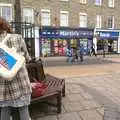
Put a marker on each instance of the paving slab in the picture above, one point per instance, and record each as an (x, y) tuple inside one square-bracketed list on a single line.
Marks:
[(92, 91), (90, 115)]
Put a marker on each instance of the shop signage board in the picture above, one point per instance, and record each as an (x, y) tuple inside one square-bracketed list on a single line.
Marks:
[(66, 33), (108, 35)]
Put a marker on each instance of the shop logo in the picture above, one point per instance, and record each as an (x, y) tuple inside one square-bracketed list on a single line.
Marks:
[(104, 35), (101, 34)]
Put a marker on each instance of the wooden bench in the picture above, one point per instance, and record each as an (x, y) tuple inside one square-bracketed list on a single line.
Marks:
[(55, 86)]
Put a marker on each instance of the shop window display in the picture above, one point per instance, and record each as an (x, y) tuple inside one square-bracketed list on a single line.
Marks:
[(73, 43), (84, 42), (46, 47), (59, 46)]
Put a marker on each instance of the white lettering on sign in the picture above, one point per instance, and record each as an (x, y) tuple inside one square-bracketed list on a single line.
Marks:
[(74, 33), (104, 35)]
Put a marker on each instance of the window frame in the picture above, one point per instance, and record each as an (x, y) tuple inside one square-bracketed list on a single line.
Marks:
[(113, 22), (85, 23), (66, 13), (45, 11), (98, 4), (83, 1), (64, 0), (6, 5), (111, 5), (98, 21), (26, 15)]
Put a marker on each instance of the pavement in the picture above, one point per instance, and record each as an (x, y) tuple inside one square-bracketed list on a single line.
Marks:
[(92, 89)]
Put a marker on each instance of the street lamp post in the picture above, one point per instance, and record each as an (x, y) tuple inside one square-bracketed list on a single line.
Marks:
[(17, 16)]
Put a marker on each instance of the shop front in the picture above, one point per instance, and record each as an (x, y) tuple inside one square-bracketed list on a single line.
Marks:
[(107, 40), (54, 41)]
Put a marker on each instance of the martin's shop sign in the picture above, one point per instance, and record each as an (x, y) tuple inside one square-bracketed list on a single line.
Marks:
[(66, 33), (107, 35)]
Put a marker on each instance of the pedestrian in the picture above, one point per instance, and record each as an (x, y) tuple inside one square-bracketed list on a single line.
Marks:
[(109, 48), (69, 54), (17, 92), (93, 51), (76, 54), (81, 52)]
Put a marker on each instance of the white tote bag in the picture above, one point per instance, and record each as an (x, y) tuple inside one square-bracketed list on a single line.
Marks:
[(10, 60)]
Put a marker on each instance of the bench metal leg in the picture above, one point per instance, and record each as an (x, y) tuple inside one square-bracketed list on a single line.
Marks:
[(63, 90), (59, 102)]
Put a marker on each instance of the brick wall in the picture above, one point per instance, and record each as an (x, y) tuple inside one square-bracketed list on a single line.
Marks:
[(74, 7)]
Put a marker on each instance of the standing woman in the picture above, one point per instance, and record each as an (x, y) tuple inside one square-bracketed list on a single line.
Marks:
[(17, 92)]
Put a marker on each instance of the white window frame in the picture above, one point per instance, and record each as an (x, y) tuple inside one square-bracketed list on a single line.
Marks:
[(99, 4), (81, 21), (43, 12), (6, 5), (113, 21), (98, 21), (28, 15), (111, 3), (83, 1), (64, 0), (64, 23)]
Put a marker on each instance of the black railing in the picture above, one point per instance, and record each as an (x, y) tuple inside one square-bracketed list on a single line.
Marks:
[(27, 30)]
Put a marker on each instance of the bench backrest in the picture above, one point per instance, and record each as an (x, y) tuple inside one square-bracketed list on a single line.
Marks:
[(35, 70)]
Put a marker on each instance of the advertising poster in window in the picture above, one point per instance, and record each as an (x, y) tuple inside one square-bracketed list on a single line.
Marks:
[(45, 47), (84, 43)]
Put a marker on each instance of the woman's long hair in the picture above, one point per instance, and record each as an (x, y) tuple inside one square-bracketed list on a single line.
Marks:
[(4, 26)]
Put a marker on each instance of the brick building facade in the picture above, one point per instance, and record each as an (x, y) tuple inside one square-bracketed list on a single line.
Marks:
[(85, 15), (74, 8)]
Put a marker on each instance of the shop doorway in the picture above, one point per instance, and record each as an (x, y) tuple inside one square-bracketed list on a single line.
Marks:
[(84, 43), (109, 46)]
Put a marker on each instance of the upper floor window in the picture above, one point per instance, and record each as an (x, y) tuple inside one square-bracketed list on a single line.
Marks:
[(28, 15), (110, 3), (64, 18), (83, 20), (98, 2), (45, 17), (6, 11), (98, 21), (64, 0), (83, 1), (111, 22)]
